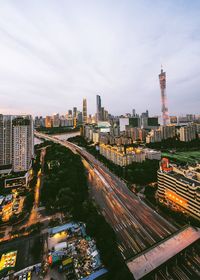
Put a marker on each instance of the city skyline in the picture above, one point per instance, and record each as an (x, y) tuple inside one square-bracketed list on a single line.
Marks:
[(55, 53)]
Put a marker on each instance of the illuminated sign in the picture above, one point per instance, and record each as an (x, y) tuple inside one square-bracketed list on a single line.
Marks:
[(8, 260)]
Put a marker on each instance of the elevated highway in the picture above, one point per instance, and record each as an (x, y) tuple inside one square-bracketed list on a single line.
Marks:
[(136, 225)]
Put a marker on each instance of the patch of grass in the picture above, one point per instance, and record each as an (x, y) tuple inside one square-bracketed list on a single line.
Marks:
[(186, 156)]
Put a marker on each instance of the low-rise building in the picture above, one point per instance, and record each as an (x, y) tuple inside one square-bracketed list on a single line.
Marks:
[(179, 188), (152, 154), (121, 156)]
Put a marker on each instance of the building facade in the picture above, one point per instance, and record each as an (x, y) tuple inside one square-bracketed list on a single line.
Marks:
[(5, 140), (187, 133), (16, 142), (48, 122), (99, 111), (179, 188), (22, 138), (121, 156), (56, 120), (84, 110)]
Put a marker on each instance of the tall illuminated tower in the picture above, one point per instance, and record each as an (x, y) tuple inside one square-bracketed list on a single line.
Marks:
[(84, 110), (162, 79)]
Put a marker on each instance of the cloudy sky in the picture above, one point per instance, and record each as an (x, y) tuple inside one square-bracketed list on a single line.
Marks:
[(54, 53)]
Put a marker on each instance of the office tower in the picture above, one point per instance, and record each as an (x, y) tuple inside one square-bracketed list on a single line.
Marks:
[(84, 110), (75, 112), (39, 121), (164, 109), (5, 140), (56, 120), (149, 123), (98, 108), (62, 121), (102, 114), (145, 114), (69, 113), (48, 122), (75, 115), (133, 113), (79, 117), (22, 139)]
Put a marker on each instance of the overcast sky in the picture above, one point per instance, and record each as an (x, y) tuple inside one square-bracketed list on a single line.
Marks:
[(54, 53)]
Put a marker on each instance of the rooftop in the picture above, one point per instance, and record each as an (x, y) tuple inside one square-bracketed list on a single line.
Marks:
[(184, 179), (61, 228), (154, 257)]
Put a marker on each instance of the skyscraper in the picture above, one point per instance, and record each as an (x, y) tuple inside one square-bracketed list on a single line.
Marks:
[(84, 110), (99, 111), (69, 113), (48, 121), (56, 120), (74, 112), (164, 109)]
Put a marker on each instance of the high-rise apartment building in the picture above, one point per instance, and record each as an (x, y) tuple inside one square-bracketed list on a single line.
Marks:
[(5, 140), (187, 133), (84, 110), (22, 139), (154, 136), (168, 131), (16, 142)]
